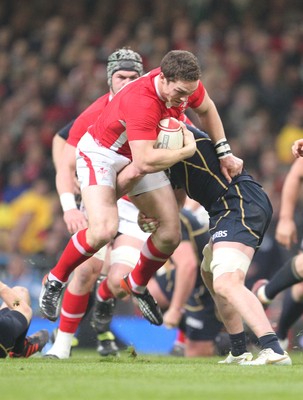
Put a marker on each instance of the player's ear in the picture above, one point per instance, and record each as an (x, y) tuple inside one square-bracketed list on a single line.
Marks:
[(162, 77)]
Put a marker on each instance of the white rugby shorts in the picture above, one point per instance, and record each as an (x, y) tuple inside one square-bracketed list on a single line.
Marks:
[(98, 165), (128, 216)]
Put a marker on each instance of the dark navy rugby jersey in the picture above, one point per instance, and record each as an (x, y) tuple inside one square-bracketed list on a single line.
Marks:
[(200, 175)]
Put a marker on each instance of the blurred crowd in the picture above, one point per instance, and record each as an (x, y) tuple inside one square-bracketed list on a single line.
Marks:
[(53, 65)]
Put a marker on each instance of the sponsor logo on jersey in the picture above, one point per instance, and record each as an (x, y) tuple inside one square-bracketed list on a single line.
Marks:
[(194, 323), (219, 234)]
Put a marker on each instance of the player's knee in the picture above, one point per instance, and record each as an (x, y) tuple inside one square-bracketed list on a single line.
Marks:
[(232, 262), (98, 233), (173, 242), (222, 287), (170, 237)]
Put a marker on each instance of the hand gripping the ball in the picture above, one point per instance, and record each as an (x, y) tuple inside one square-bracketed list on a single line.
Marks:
[(170, 135)]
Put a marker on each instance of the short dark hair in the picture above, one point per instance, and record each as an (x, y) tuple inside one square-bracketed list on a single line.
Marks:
[(180, 65)]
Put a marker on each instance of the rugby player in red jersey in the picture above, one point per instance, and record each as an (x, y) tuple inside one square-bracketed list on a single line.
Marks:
[(115, 156), (123, 66)]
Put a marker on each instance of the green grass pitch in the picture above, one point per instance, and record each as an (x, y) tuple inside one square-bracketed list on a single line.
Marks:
[(87, 376)]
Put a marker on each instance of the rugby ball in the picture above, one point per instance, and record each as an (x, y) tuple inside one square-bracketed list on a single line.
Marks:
[(170, 134)]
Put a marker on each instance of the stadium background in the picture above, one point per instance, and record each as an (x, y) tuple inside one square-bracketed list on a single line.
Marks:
[(53, 64)]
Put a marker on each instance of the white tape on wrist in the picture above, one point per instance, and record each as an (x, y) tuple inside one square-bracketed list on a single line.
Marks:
[(67, 201), (222, 148)]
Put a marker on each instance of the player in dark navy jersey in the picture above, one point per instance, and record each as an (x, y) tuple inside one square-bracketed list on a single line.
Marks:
[(200, 175), (239, 214), (15, 318)]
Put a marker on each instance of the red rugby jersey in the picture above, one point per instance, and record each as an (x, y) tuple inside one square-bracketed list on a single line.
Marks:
[(139, 108)]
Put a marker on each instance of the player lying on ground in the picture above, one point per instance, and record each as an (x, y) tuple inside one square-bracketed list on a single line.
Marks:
[(15, 318)]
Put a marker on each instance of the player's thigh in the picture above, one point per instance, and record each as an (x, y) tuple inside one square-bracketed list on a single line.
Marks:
[(160, 204), (101, 208)]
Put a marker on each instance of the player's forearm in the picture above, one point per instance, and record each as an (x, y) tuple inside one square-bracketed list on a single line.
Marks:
[(65, 185), (161, 159), (211, 121), (185, 261), (65, 181), (126, 179), (184, 285), (8, 295), (289, 197), (157, 160), (65, 177)]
